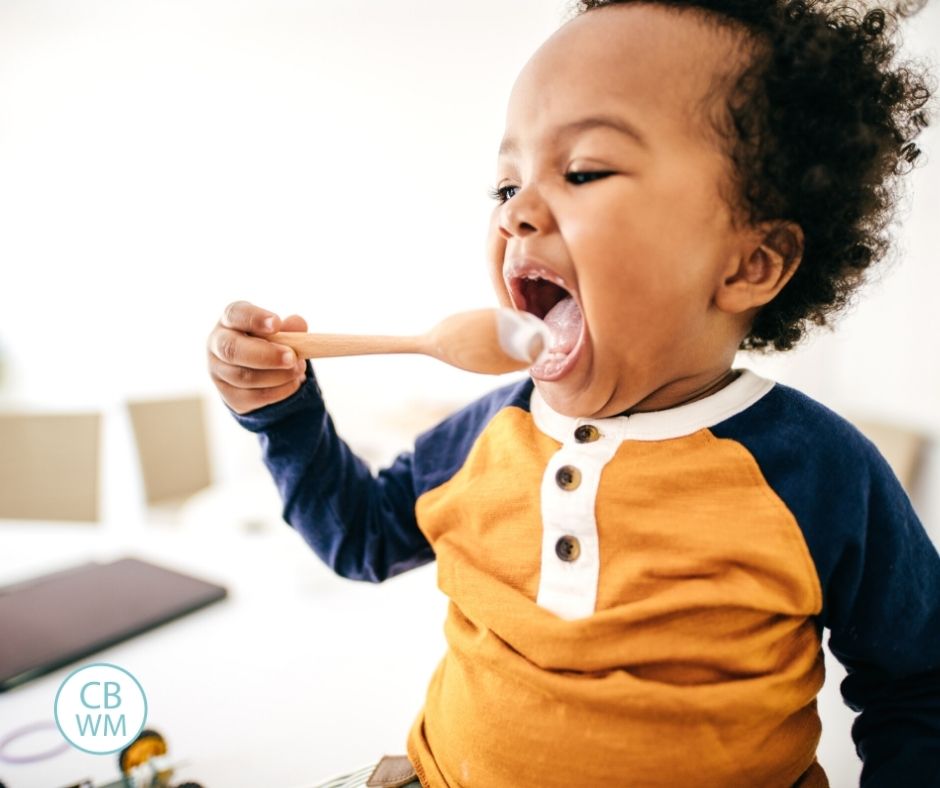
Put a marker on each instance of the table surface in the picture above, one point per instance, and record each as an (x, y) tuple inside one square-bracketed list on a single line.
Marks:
[(299, 675)]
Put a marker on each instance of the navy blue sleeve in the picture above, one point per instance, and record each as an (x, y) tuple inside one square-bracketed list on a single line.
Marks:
[(884, 618), (361, 525), (879, 573)]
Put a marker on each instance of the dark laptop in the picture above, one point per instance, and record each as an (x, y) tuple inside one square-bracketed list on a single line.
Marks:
[(50, 621)]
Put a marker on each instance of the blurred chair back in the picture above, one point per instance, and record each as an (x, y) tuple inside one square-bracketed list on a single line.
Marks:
[(902, 448), (172, 447), (49, 466)]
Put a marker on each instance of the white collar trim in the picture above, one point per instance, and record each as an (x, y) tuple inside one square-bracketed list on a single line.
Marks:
[(676, 422)]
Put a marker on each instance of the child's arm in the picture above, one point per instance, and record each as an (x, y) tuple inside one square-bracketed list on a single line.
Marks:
[(883, 610), (362, 526)]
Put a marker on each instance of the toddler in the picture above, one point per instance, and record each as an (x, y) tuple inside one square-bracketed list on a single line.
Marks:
[(641, 544)]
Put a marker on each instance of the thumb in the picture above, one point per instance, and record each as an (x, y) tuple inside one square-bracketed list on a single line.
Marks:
[(293, 323)]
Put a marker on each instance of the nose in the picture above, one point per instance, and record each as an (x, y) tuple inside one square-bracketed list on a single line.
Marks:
[(524, 213)]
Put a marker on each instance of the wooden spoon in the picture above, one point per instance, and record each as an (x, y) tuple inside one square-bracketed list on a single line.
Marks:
[(491, 341)]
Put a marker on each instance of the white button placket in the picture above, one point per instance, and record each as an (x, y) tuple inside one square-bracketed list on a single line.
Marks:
[(570, 569), (568, 579)]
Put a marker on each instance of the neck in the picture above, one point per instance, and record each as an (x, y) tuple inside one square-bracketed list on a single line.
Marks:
[(669, 397)]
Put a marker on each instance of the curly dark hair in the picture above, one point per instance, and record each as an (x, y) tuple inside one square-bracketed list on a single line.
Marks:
[(819, 127)]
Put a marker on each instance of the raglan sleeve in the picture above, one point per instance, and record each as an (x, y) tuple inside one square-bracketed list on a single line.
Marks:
[(883, 612), (360, 524)]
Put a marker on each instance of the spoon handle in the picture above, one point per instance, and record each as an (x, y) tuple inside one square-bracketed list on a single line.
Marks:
[(329, 345)]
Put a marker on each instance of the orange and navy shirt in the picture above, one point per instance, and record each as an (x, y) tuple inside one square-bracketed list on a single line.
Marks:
[(639, 600)]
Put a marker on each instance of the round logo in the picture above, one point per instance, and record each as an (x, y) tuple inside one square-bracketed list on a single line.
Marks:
[(100, 708)]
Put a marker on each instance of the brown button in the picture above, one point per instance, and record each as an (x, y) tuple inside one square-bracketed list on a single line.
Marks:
[(568, 477), (586, 433), (568, 548)]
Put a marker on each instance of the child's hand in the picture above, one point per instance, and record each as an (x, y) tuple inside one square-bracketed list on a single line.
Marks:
[(248, 370)]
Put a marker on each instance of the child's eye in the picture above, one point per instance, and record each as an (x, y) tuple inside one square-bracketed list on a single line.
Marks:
[(579, 178), (504, 193), (501, 194)]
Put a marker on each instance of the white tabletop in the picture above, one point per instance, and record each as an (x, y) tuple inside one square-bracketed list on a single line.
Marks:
[(297, 676)]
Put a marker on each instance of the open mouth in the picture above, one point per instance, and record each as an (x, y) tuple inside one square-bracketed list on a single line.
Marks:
[(542, 293)]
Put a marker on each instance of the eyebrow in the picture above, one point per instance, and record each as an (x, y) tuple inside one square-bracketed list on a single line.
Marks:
[(509, 145)]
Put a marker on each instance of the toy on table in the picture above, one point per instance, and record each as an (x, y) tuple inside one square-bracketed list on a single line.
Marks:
[(144, 764)]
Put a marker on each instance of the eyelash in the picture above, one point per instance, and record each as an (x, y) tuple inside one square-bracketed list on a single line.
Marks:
[(499, 195)]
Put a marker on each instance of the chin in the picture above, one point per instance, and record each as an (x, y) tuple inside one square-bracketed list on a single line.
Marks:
[(578, 393), (579, 402)]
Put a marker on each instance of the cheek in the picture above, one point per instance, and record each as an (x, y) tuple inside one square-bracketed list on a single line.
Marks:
[(639, 269), (624, 253), (495, 252), (499, 287)]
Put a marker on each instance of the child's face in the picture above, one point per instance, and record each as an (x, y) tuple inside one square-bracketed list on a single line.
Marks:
[(643, 248)]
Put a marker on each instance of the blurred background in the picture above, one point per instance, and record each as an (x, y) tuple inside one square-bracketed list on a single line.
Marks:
[(161, 159)]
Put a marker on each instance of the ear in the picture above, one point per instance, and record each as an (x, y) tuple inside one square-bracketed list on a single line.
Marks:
[(770, 255)]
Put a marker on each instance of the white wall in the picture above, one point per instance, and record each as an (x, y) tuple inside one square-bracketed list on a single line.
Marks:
[(158, 160)]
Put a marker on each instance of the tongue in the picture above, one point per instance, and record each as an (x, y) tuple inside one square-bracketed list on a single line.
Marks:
[(564, 321)]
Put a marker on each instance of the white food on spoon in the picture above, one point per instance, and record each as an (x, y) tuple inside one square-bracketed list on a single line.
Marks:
[(522, 335)]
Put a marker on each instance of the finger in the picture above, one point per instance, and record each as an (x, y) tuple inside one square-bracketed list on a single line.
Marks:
[(293, 323), (236, 348), (247, 378), (246, 400), (243, 316)]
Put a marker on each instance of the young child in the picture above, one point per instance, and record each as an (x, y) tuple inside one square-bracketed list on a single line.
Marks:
[(642, 545)]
